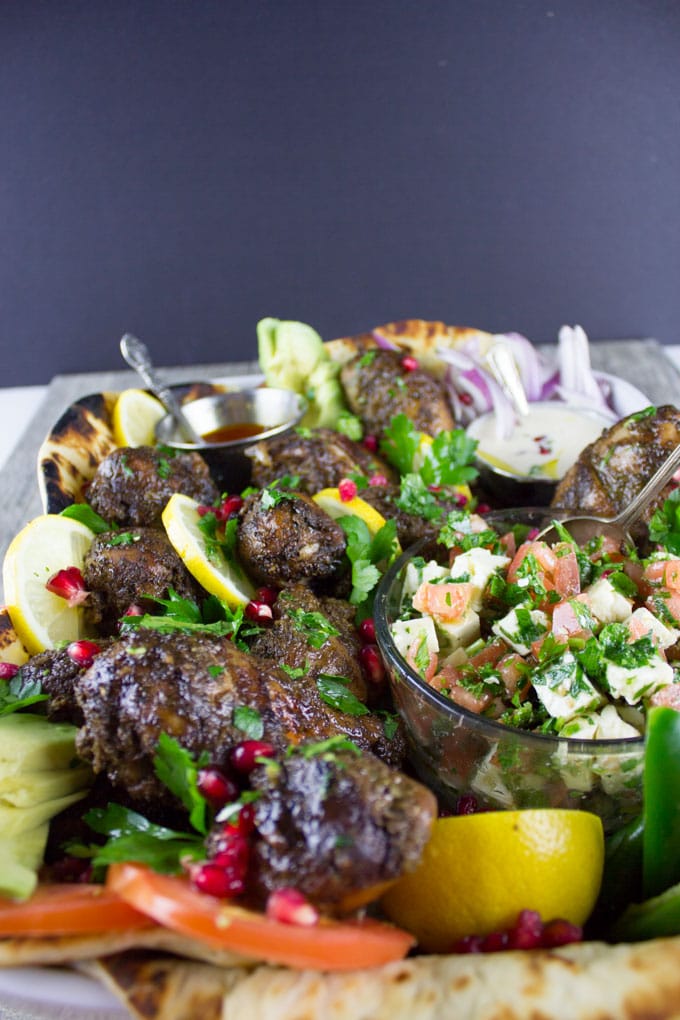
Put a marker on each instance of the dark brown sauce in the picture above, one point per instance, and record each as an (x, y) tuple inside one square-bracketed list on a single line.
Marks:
[(236, 430)]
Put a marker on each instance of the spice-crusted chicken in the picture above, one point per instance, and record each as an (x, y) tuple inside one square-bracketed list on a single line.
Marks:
[(286, 641), (188, 686), (319, 459), (288, 538), (379, 386), (335, 823), (613, 469), (132, 485), (122, 568)]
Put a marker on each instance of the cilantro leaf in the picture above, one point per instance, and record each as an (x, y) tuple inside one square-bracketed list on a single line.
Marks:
[(333, 690), (249, 721), (17, 693), (400, 443), (664, 526), (178, 770), (315, 626), (132, 837), (449, 461)]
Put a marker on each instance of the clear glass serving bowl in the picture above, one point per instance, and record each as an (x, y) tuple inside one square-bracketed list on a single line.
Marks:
[(457, 752)]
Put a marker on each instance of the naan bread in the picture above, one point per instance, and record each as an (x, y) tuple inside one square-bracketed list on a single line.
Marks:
[(590, 981), (414, 336)]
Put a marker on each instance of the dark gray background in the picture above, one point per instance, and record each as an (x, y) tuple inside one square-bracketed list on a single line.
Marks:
[(181, 169)]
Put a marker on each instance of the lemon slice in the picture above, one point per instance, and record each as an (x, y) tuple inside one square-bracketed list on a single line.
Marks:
[(203, 559), (135, 416), (479, 871), (424, 450), (330, 501), (46, 545)]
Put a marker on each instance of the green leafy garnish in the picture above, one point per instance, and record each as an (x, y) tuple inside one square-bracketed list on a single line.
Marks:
[(17, 693), (315, 626), (368, 555), (84, 513), (249, 721), (132, 837), (178, 770), (275, 493), (664, 526), (333, 690)]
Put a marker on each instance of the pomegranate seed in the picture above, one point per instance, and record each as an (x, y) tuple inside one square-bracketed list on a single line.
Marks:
[(217, 788), (8, 670), (409, 363), (494, 942), (370, 443), (202, 510), (215, 881), (246, 820), (244, 755), (68, 584), (371, 661), (465, 398), (544, 450), (531, 534), (377, 479), (347, 490), (71, 869), (134, 609), (229, 506), (469, 944), (367, 630), (483, 508), (259, 612), (560, 933), (83, 652), (467, 804), (461, 499), (291, 907), (526, 932), (232, 853), (267, 595)]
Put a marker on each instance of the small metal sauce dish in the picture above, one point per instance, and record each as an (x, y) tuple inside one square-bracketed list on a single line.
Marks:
[(275, 411)]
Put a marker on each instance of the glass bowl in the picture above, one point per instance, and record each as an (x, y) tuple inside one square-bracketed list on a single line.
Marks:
[(457, 752)]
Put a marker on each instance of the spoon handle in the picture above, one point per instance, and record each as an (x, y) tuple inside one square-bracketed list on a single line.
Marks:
[(659, 479), (138, 357)]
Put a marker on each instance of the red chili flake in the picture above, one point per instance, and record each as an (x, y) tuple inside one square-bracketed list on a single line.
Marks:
[(465, 398)]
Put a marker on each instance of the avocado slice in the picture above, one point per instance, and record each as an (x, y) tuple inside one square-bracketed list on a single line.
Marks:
[(30, 743), (21, 857), (292, 355), (17, 820), (23, 789)]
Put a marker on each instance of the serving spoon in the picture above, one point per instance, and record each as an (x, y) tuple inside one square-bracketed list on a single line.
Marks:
[(138, 357), (584, 527)]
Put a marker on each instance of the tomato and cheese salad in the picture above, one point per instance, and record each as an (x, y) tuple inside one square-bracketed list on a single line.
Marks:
[(553, 638)]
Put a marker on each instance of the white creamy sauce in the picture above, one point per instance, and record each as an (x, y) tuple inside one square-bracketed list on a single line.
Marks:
[(544, 444)]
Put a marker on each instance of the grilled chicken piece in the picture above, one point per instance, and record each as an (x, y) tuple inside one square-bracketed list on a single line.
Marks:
[(378, 387), (188, 685), (122, 567), (335, 824), (289, 538), (319, 460), (57, 673), (287, 641), (132, 485), (613, 469)]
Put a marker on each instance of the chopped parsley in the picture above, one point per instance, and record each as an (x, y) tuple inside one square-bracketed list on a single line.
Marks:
[(315, 626)]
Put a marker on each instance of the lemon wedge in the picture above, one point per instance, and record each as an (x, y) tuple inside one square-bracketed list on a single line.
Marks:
[(46, 545), (331, 501), (135, 416), (479, 871), (204, 560)]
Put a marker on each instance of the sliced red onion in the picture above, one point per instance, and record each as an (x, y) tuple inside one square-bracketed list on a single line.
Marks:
[(573, 357), (531, 367), (383, 342)]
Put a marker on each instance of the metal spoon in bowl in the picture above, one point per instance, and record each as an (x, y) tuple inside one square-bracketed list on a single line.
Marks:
[(138, 357), (583, 528)]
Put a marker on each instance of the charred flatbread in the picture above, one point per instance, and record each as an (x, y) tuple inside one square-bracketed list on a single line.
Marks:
[(590, 981)]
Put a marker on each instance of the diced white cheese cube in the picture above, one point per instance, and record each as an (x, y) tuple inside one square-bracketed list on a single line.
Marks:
[(610, 725), (634, 683), (642, 623), (406, 632), (459, 633), (564, 689), (606, 603), (417, 572), (478, 565), (488, 781), (581, 727), (518, 637)]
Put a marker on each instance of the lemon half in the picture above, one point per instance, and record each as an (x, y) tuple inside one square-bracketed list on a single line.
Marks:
[(330, 501), (206, 562), (46, 545), (479, 871), (135, 416)]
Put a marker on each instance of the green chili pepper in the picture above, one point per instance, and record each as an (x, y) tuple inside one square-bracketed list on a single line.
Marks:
[(649, 920), (622, 877), (661, 797)]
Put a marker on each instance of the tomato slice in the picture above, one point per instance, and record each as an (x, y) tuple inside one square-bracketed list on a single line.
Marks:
[(328, 945), (69, 909)]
